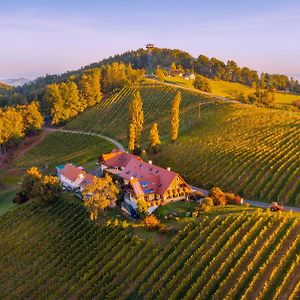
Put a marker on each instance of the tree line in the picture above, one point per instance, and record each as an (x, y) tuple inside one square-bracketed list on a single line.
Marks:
[(208, 67), (66, 99), (16, 122)]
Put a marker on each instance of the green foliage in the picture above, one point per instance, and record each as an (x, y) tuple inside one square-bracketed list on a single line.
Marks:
[(78, 258), (248, 150), (202, 84), (60, 147)]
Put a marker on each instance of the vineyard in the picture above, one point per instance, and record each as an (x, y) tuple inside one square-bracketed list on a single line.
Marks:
[(111, 116), (252, 151), (55, 252), (60, 147), (249, 150)]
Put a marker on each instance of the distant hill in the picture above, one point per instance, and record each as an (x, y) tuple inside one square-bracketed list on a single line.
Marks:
[(4, 86), (16, 81)]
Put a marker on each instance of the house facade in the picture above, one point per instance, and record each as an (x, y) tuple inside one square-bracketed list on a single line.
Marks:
[(189, 76), (143, 180), (74, 178)]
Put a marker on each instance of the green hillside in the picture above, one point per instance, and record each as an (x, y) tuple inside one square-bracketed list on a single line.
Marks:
[(249, 150), (55, 252), (61, 147), (242, 148), (233, 89), (111, 116)]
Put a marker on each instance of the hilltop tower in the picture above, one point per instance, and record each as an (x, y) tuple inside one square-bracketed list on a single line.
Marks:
[(149, 48)]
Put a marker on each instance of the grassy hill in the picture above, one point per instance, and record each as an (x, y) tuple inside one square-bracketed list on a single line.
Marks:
[(55, 252), (249, 150), (232, 89), (61, 147)]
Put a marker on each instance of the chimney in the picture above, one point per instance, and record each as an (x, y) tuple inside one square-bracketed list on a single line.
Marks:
[(169, 169), (150, 162)]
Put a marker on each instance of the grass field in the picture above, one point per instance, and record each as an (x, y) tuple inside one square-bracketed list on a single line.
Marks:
[(232, 89), (60, 147), (55, 252)]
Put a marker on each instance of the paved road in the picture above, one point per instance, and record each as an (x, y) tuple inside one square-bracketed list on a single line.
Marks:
[(251, 202), (116, 143)]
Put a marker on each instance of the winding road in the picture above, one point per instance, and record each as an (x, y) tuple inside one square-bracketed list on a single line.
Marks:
[(121, 147), (116, 143)]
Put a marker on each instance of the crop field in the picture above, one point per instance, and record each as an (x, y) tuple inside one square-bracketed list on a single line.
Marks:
[(241, 148), (111, 116), (55, 252), (61, 147)]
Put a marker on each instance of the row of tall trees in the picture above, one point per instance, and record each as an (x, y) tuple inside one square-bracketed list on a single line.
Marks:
[(136, 123), (65, 100), (16, 122)]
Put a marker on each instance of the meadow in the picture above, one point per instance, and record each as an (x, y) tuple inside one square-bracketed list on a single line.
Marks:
[(55, 252), (60, 147), (233, 89)]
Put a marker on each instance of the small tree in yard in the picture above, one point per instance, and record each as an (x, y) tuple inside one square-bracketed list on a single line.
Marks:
[(218, 196), (154, 140), (151, 222), (142, 207), (50, 190), (31, 182), (100, 194)]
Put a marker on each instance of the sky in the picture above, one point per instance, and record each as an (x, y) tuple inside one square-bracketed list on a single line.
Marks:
[(39, 37)]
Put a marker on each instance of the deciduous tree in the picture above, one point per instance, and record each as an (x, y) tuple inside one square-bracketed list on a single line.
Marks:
[(136, 117), (99, 195), (154, 140), (175, 116)]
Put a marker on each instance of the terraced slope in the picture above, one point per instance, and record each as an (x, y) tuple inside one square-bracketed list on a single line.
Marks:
[(56, 253), (111, 116)]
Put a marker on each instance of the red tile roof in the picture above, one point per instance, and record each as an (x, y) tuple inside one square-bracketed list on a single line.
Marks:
[(137, 171), (117, 158), (71, 172), (88, 179)]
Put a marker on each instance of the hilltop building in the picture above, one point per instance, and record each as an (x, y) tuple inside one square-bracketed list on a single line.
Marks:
[(143, 180)]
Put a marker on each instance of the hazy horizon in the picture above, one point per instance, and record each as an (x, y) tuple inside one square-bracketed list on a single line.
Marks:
[(42, 37)]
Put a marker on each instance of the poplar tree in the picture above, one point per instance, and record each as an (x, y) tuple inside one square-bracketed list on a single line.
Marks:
[(131, 137), (154, 140), (136, 117), (175, 116)]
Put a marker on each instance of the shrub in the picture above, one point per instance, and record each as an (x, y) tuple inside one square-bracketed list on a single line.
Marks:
[(202, 84), (208, 201), (151, 222)]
